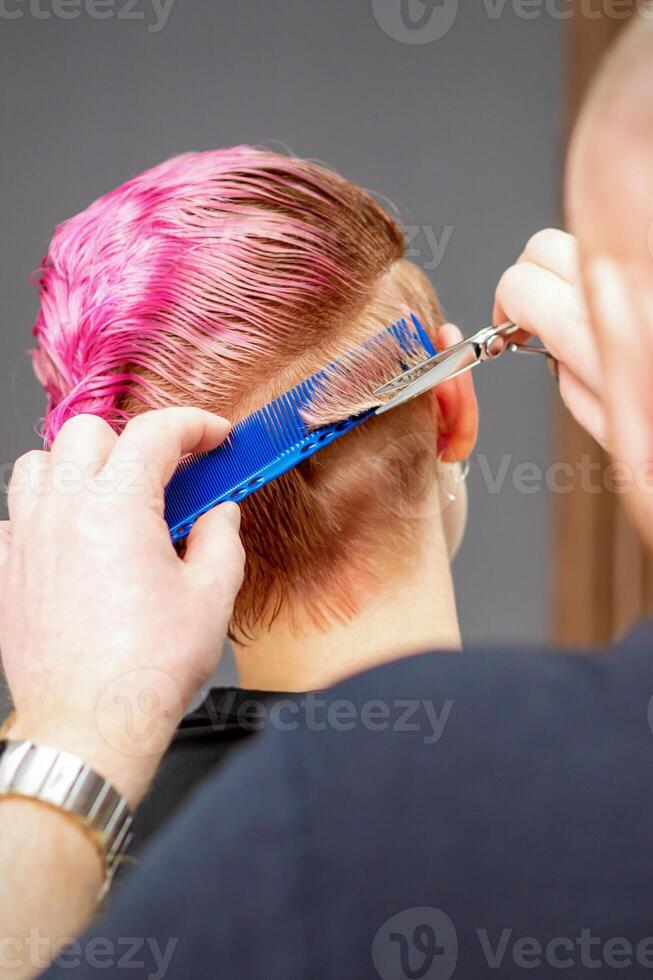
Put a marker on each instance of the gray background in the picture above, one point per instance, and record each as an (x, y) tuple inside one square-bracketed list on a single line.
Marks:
[(462, 132)]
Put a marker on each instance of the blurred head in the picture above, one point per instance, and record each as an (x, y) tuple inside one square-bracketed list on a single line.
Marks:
[(610, 206), (219, 280)]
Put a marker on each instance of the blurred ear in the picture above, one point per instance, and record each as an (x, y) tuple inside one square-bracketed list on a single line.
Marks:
[(457, 406)]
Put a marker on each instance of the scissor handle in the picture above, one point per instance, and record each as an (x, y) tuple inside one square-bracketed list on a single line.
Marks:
[(551, 362), (492, 340)]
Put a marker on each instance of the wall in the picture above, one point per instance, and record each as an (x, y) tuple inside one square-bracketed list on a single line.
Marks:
[(461, 134)]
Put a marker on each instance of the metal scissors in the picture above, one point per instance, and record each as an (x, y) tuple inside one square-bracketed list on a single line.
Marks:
[(487, 344)]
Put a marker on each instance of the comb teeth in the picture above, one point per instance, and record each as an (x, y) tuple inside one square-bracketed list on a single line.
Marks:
[(352, 383), (277, 437)]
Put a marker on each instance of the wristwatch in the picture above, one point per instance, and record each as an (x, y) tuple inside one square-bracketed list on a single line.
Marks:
[(63, 781)]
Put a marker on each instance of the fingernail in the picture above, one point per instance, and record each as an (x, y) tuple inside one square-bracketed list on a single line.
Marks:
[(232, 513)]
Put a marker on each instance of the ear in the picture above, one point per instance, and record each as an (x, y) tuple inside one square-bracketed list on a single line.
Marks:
[(457, 406)]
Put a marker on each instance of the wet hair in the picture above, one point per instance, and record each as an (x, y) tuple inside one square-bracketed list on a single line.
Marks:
[(219, 279)]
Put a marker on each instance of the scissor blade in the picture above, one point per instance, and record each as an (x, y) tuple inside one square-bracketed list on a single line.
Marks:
[(459, 359)]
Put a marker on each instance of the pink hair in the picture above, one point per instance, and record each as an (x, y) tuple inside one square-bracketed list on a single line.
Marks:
[(219, 280), (196, 258)]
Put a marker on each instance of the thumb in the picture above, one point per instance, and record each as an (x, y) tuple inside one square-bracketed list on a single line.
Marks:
[(215, 552)]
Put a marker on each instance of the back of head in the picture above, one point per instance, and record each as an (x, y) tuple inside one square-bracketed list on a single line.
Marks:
[(219, 280)]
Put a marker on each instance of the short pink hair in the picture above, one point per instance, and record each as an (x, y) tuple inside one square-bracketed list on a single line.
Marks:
[(220, 279)]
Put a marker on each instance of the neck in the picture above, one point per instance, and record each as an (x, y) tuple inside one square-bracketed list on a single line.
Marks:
[(412, 615)]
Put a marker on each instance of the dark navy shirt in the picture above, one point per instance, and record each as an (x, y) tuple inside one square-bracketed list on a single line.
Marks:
[(488, 814), (205, 739)]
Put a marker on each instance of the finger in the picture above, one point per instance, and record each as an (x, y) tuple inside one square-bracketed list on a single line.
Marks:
[(584, 405), (546, 306), (556, 251), (156, 442), (85, 442), (30, 481), (214, 551)]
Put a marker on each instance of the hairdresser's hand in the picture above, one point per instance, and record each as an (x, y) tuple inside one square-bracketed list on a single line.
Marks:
[(105, 632), (542, 293)]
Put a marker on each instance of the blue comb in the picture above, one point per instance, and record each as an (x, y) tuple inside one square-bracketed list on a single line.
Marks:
[(276, 438)]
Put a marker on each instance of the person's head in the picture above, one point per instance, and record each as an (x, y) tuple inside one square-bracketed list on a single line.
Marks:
[(220, 280), (610, 207)]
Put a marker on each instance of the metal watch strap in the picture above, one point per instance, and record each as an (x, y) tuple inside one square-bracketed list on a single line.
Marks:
[(65, 782)]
